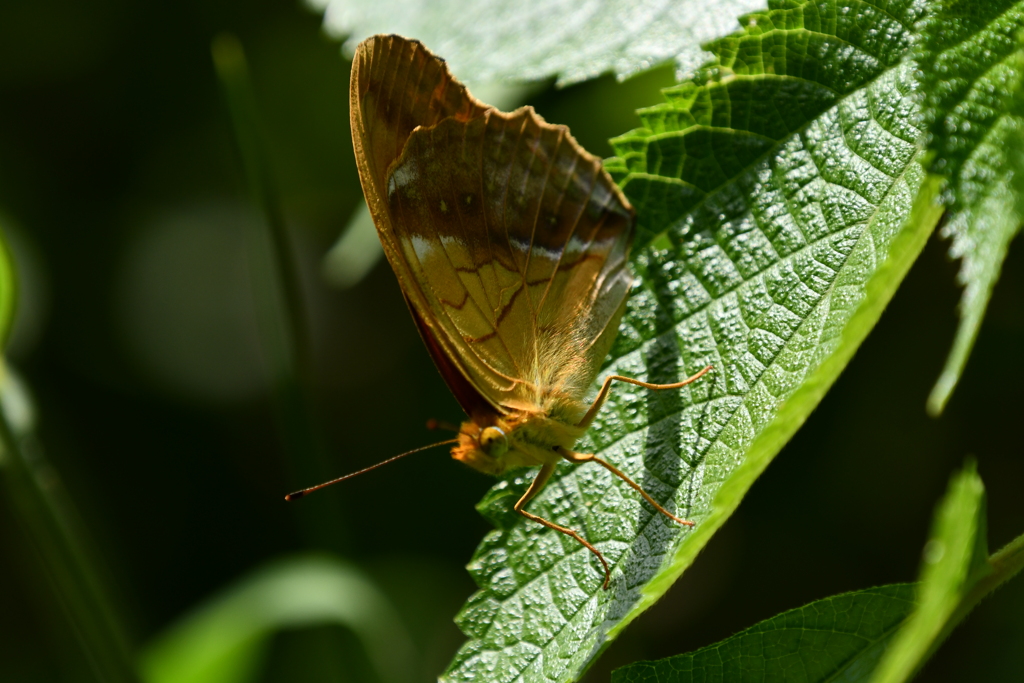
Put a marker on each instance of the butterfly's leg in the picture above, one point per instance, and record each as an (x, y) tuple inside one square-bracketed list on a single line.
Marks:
[(572, 456), (538, 483), (606, 387)]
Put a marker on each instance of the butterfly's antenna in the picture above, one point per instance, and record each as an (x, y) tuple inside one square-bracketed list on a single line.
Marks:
[(434, 425), (303, 492)]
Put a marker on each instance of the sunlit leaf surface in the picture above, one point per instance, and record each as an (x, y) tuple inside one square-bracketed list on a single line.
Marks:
[(972, 70), (772, 194), (538, 39)]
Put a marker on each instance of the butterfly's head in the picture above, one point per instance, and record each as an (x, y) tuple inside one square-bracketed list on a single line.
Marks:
[(482, 448)]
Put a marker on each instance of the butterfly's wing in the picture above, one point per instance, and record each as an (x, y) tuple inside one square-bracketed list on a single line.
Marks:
[(509, 240)]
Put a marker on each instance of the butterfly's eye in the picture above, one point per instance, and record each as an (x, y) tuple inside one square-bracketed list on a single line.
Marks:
[(493, 442)]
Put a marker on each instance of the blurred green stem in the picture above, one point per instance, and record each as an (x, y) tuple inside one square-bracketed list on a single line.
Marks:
[(38, 500), (1002, 566), (233, 71), (288, 344)]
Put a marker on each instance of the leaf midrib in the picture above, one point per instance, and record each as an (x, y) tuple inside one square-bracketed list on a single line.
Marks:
[(846, 667)]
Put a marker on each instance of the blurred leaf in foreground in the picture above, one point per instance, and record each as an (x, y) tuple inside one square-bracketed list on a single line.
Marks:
[(225, 640), (972, 71), (8, 291), (355, 252), (836, 639), (955, 575), (774, 195), (527, 40), (879, 634)]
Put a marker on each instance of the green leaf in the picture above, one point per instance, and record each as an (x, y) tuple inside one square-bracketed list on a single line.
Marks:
[(8, 291), (526, 40), (956, 574), (225, 640), (973, 84), (836, 639), (879, 634), (781, 203)]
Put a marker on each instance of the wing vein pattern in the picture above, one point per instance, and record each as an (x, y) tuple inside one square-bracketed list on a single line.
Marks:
[(509, 240)]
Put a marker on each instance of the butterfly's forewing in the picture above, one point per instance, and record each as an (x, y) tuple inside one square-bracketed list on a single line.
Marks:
[(397, 85), (509, 240)]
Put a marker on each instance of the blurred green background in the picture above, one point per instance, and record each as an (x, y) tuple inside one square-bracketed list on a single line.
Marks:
[(143, 336)]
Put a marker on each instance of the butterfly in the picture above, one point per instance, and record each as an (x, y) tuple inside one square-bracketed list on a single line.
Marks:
[(511, 244)]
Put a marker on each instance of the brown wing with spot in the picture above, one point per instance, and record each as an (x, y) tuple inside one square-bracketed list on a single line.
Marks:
[(509, 240)]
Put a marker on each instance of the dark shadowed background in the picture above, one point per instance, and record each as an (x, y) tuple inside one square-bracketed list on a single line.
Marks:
[(141, 337)]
